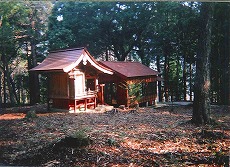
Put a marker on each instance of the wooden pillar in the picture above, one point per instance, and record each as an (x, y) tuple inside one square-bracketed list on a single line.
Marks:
[(102, 93), (48, 90), (74, 106), (85, 104)]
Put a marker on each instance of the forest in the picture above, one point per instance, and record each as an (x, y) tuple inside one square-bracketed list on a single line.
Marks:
[(163, 35), (186, 42)]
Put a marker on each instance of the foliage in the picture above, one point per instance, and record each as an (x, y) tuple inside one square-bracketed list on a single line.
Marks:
[(163, 35), (30, 115), (22, 33), (78, 139), (111, 142), (219, 55), (80, 134), (134, 91)]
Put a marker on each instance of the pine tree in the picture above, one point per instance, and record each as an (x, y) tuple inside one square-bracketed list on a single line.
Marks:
[(201, 105)]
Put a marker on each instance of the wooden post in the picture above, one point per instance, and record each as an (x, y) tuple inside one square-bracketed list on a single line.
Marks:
[(85, 104), (48, 92), (95, 102), (102, 93), (75, 101)]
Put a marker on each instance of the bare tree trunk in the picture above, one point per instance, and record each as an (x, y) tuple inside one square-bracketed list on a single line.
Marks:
[(177, 84), (159, 82), (11, 94), (4, 78), (190, 82), (107, 54), (229, 59), (201, 106), (12, 83), (19, 80), (0, 90), (23, 93), (184, 77), (225, 62), (166, 77), (33, 76)]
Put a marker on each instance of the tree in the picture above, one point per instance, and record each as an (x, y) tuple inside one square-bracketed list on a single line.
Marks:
[(161, 32), (22, 29), (201, 105), (187, 29), (36, 26), (9, 46), (220, 54), (229, 61), (119, 28), (32, 36)]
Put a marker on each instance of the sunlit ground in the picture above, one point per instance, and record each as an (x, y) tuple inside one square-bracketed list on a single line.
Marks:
[(149, 137), (12, 116)]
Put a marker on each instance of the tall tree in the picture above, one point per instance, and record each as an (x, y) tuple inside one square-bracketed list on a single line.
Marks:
[(220, 54), (21, 24), (130, 29), (120, 27), (229, 59), (9, 15), (33, 34), (201, 105)]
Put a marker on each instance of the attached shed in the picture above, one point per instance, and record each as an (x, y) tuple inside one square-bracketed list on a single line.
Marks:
[(72, 78), (129, 73)]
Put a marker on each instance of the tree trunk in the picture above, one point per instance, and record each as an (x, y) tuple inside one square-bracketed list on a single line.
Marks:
[(32, 61), (4, 77), (107, 54), (11, 94), (159, 82), (184, 78), (229, 58), (33, 76), (12, 83), (201, 106), (225, 61), (19, 87), (166, 74), (177, 84), (190, 82), (0, 89)]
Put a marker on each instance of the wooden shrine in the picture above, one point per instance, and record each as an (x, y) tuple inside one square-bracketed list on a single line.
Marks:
[(77, 81), (72, 78)]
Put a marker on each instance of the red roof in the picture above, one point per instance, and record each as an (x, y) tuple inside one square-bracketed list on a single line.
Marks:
[(129, 69), (60, 59), (66, 60)]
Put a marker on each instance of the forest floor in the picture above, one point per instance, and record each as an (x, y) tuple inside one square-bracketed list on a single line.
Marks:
[(148, 137)]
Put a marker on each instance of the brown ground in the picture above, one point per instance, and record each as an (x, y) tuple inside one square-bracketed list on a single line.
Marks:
[(150, 137)]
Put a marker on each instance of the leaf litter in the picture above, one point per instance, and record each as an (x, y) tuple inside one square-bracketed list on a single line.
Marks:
[(149, 137)]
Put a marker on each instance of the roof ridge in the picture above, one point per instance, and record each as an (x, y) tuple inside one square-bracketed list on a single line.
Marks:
[(68, 49), (121, 61)]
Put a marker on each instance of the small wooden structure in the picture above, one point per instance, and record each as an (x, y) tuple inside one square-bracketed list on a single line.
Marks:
[(129, 73), (76, 80), (72, 78)]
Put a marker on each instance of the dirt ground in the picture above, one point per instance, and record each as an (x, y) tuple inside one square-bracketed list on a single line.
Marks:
[(148, 137)]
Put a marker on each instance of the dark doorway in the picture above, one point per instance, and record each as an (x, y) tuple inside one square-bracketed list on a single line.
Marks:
[(90, 84), (110, 93)]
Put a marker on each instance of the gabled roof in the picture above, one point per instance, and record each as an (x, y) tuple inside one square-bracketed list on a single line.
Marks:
[(129, 69), (66, 60)]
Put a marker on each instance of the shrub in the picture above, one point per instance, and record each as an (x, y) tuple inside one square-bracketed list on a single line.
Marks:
[(80, 138), (31, 114), (80, 135)]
